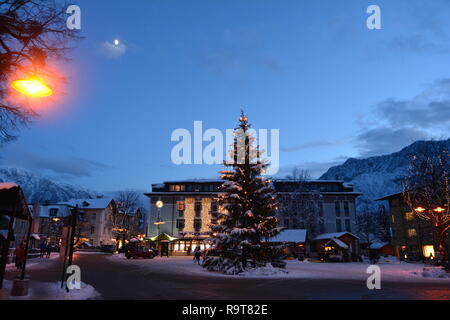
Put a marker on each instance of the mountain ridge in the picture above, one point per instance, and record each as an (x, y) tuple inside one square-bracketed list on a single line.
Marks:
[(379, 176)]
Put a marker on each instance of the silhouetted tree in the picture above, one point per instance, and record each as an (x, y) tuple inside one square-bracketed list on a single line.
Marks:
[(31, 33)]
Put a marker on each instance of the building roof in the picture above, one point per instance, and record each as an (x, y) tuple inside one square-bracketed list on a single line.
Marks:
[(13, 201), (63, 210), (392, 196), (378, 245), (99, 203), (336, 235), (339, 243), (290, 235)]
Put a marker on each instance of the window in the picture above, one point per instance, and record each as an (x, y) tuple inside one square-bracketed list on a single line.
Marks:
[(338, 225), (197, 225), (337, 207), (320, 208), (428, 251), (213, 206), (180, 224), (348, 226), (53, 212), (412, 233), (94, 217), (409, 216), (180, 206), (177, 187), (198, 207), (346, 209), (92, 230)]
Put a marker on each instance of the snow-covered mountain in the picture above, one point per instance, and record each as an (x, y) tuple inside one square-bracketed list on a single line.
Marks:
[(379, 176), (41, 189)]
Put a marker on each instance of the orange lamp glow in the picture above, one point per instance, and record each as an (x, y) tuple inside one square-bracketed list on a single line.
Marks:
[(420, 209), (439, 210), (32, 87)]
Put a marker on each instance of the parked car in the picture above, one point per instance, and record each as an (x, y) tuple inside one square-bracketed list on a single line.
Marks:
[(108, 248), (140, 252)]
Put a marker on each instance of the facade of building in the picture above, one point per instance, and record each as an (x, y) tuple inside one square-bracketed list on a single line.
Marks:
[(412, 237), (97, 224), (48, 221), (189, 207)]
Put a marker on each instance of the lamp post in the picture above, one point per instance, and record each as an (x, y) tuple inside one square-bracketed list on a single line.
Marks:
[(159, 222)]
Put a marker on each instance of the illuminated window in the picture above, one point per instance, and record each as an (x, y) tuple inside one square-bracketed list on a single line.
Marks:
[(412, 233), (409, 216), (177, 188), (428, 251)]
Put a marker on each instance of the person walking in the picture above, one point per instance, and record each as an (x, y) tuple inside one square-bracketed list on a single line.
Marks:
[(197, 255), (43, 248), (19, 254), (49, 250)]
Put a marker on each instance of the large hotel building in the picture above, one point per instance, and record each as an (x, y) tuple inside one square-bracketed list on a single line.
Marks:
[(189, 207)]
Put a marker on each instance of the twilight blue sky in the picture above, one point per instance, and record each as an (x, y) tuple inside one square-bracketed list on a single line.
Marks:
[(309, 68)]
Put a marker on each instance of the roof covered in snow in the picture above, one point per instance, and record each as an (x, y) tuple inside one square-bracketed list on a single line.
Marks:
[(336, 235), (60, 209), (339, 243), (291, 235), (99, 203), (378, 245)]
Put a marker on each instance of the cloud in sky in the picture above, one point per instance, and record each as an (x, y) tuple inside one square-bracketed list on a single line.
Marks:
[(401, 122), (111, 50), (69, 167), (395, 124)]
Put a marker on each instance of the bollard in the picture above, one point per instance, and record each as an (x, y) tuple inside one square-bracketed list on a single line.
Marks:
[(20, 287)]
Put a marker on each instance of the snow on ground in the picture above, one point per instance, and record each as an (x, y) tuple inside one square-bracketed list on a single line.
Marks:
[(52, 291), (391, 269), (91, 252), (32, 262)]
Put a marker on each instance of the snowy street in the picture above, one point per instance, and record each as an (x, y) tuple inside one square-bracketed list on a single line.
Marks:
[(115, 277)]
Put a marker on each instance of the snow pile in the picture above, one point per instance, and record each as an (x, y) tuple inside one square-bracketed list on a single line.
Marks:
[(435, 272), (53, 291), (389, 259), (266, 271)]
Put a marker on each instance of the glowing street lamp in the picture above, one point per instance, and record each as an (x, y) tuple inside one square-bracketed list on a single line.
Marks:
[(439, 210), (420, 209), (33, 87), (159, 222)]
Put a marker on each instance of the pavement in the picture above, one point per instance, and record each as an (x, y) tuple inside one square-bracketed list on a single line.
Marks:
[(116, 280)]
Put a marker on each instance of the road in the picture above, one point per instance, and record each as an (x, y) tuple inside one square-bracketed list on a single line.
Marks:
[(115, 281)]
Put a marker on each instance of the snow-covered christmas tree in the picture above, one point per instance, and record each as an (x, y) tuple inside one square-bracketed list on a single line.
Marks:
[(247, 204)]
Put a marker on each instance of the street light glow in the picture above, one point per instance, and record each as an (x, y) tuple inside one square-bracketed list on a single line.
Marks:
[(32, 87), (439, 210), (420, 209)]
